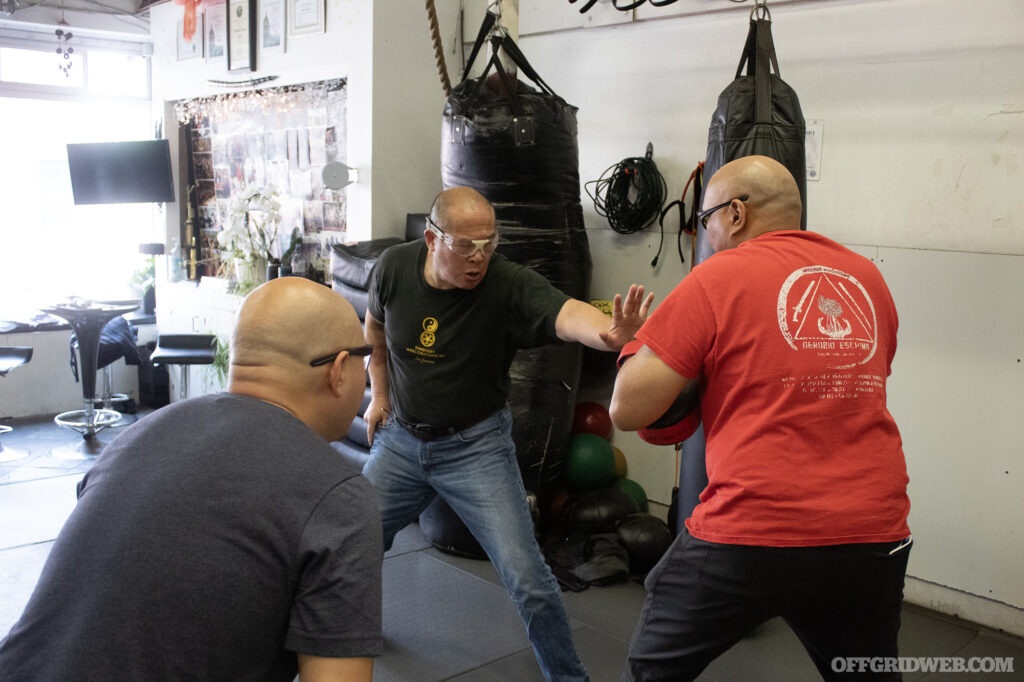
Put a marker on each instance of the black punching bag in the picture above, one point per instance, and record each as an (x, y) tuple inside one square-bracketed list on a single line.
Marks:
[(516, 145), (757, 114)]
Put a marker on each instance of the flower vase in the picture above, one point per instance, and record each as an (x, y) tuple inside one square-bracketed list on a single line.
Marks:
[(251, 272)]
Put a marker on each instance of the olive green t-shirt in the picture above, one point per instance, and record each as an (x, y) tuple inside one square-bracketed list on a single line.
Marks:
[(449, 350)]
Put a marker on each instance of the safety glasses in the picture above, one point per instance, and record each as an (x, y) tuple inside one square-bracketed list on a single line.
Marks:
[(464, 247)]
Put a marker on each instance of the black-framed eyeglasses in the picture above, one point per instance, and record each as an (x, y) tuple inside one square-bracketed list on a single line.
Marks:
[(705, 215), (464, 247), (328, 359)]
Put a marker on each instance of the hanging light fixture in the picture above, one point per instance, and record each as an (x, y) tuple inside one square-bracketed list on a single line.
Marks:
[(63, 44)]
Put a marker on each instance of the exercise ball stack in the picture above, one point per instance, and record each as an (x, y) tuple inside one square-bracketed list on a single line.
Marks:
[(594, 504), (599, 498), (516, 145)]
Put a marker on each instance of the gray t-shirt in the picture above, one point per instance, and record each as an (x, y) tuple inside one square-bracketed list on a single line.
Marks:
[(449, 350), (212, 540)]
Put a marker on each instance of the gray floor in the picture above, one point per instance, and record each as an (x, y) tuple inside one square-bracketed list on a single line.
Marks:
[(447, 618)]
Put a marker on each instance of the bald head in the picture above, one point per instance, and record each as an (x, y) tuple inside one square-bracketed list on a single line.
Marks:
[(460, 204), (292, 320), (773, 199), (281, 327)]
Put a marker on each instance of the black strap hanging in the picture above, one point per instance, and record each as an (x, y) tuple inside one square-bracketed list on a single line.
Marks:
[(485, 28), (501, 40), (686, 224)]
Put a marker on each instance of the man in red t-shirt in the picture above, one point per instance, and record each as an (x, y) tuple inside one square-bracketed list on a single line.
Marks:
[(789, 338)]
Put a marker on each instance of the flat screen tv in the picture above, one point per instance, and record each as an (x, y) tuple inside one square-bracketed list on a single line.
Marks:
[(121, 172)]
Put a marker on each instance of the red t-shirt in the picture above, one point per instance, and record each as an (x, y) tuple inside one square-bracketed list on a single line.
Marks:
[(792, 336)]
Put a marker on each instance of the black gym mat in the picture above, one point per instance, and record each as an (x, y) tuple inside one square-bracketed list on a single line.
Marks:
[(440, 622)]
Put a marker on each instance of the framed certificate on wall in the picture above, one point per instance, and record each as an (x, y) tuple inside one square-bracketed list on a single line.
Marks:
[(190, 48), (305, 16), (241, 31), (216, 31), (271, 23)]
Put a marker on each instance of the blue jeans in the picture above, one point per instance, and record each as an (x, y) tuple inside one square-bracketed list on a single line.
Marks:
[(475, 471)]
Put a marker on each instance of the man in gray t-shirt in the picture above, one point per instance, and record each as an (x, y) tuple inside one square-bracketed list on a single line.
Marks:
[(222, 538), (445, 318)]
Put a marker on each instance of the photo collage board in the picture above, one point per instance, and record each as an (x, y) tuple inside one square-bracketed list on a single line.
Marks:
[(275, 140)]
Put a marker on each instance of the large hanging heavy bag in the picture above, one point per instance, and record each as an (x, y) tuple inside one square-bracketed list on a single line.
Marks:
[(516, 145), (758, 113)]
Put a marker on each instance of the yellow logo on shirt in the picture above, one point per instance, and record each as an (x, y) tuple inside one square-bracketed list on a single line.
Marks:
[(427, 338)]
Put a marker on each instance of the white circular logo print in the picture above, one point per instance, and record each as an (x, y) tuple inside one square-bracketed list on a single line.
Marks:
[(827, 312)]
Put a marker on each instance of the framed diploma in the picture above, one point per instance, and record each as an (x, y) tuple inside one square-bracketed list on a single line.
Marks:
[(191, 48), (271, 22), (305, 16), (216, 31), (241, 31)]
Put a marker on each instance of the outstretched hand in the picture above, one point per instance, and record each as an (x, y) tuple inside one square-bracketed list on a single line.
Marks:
[(628, 315)]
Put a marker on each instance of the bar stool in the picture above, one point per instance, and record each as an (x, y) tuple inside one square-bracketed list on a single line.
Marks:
[(87, 319), (184, 350), (11, 357), (119, 339)]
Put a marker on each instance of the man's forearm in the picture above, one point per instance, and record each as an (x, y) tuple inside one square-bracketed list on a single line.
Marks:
[(645, 388), (582, 322), (378, 371), (378, 365)]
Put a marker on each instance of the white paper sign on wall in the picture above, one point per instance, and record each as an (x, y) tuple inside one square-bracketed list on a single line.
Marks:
[(812, 147)]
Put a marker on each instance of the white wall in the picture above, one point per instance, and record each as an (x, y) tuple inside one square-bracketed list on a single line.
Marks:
[(922, 103)]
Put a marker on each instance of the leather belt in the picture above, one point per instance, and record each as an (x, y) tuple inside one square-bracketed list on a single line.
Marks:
[(427, 432), (424, 431)]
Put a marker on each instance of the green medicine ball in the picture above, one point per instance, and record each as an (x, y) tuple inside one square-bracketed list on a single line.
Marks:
[(590, 462), (635, 491)]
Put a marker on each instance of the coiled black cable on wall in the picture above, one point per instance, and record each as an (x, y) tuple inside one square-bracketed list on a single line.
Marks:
[(630, 4), (630, 195)]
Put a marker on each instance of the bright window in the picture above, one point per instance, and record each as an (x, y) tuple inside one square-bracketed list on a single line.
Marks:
[(39, 68), (51, 248), (116, 74)]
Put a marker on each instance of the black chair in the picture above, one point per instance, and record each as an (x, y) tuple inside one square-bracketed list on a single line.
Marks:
[(11, 357), (184, 350), (351, 265)]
